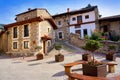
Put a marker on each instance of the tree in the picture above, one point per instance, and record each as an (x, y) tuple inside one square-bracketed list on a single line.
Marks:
[(91, 46)]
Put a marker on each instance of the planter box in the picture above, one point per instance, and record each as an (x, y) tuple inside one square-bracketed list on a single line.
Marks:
[(110, 57), (39, 56), (98, 71), (86, 57), (59, 58)]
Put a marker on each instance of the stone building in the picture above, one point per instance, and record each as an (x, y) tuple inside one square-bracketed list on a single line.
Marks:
[(32, 28), (62, 21), (110, 24), (1, 27), (82, 22)]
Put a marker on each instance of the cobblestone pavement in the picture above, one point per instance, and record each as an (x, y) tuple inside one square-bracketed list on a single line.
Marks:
[(46, 69)]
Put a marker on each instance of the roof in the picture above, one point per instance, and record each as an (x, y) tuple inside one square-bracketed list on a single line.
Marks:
[(82, 10), (110, 18), (39, 19), (31, 11)]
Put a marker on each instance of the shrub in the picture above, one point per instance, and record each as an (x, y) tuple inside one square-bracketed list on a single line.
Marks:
[(87, 37), (38, 48), (92, 45), (112, 47), (115, 38), (58, 46), (96, 36)]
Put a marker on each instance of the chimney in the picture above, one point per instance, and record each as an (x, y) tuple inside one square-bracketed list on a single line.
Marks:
[(68, 9), (29, 9)]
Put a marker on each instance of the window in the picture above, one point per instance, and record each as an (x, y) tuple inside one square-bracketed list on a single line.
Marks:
[(79, 19), (15, 32), (86, 16), (59, 22), (26, 31), (77, 31), (85, 32), (73, 19), (14, 45), (26, 44), (60, 35)]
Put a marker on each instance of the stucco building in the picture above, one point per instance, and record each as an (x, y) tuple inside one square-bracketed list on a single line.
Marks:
[(32, 28), (83, 22)]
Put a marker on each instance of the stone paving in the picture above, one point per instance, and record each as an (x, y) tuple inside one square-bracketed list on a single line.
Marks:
[(46, 69)]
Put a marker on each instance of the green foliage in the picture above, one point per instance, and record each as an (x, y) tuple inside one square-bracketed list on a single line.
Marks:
[(115, 38), (38, 47), (112, 47), (96, 36), (87, 37), (92, 45), (58, 46)]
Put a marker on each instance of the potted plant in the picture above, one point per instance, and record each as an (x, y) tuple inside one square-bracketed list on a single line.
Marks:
[(59, 57), (93, 67), (111, 53), (39, 55)]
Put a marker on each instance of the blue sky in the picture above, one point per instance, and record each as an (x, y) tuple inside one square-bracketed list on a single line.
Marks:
[(9, 8)]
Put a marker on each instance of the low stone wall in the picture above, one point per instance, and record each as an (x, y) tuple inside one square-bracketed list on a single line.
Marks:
[(107, 43), (77, 41)]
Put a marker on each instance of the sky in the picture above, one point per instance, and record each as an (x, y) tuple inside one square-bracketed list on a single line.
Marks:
[(10, 8)]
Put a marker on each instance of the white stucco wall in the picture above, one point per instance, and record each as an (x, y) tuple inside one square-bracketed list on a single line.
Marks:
[(91, 17), (90, 28), (72, 29), (72, 16)]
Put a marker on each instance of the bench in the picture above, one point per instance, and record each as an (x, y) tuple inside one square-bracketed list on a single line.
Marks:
[(76, 76), (111, 66), (69, 65)]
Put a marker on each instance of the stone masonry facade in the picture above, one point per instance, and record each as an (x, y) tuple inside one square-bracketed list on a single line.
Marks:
[(37, 29)]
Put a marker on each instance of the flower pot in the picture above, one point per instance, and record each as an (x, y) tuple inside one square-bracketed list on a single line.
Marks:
[(110, 57), (86, 57), (98, 71), (39, 56), (59, 58)]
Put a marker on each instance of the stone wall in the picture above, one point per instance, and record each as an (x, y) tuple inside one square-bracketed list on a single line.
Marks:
[(62, 28), (77, 41), (112, 26), (3, 42), (33, 39)]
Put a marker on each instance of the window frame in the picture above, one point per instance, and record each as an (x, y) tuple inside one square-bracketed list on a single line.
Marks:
[(16, 45), (15, 32), (26, 34), (73, 18), (25, 44), (86, 16), (59, 22)]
